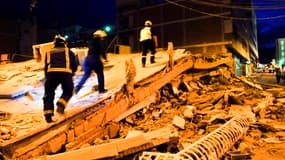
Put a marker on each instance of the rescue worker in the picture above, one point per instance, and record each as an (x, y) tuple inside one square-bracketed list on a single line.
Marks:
[(60, 66), (148, 41), (93, 61)]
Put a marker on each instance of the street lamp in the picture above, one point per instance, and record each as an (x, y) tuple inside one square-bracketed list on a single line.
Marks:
[(108, 28)]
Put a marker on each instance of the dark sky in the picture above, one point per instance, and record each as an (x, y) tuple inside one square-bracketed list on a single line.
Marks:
[(88, 13), (97, 13), (270, 26)]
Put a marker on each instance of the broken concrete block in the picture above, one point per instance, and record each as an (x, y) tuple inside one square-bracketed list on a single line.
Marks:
[(188, 111), (113, 129), (178, 122), (134, 133), (56, 143)]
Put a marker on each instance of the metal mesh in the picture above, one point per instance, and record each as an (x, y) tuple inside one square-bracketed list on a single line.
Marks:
[(211, 147), (215, 144)]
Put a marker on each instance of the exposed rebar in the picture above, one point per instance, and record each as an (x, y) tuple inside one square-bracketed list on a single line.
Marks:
[(211, 147), (214, 145)]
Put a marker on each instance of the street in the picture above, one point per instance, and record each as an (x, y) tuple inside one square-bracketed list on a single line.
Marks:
[(267, 78)]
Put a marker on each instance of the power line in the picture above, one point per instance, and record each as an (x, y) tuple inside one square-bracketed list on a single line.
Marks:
[(241, 7), (256, 3), (222, 16)]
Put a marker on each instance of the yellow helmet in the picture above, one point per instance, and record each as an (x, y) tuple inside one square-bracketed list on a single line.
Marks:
[(100, 33)]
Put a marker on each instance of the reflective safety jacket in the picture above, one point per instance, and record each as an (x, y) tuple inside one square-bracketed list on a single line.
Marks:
[(60, 59), (145, 34)]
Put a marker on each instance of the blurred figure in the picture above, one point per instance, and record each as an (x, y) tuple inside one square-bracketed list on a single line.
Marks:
[(148, 41), (93, 61), (278, 74), (60, 66)]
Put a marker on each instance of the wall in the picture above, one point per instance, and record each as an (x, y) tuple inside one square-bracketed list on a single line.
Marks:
[(185, 24)]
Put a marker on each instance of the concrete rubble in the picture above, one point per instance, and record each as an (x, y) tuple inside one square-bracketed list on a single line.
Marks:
[(198, 107), (189, 107)]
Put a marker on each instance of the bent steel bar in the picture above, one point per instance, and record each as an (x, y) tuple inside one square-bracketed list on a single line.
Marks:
[(214, 145)]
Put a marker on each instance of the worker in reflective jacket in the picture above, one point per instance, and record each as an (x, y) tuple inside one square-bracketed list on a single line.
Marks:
[(148, 41), (60, 65), (93, 61)]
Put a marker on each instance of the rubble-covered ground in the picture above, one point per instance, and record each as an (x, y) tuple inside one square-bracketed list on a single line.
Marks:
[(204, 105), (192, 108), (21, 90)]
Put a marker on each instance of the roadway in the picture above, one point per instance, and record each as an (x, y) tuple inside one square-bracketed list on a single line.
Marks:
[(268, 79)]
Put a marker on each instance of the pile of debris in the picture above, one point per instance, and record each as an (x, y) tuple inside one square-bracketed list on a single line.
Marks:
[(204, 113), (188, 109), (197, 108)]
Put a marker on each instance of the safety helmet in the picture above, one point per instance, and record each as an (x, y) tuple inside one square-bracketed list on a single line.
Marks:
[(100, 33), (59, 40), (148, 23)]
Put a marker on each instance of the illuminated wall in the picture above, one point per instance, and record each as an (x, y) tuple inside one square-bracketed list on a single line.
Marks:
[(280, 52), (180, 23)]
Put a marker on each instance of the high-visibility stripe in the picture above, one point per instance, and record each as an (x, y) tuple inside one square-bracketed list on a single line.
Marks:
[(62, 101), (59, 69), (48, 111), (48, 58), (67, 57)]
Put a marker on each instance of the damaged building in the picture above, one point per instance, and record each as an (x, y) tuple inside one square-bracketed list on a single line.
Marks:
[(198, 26)]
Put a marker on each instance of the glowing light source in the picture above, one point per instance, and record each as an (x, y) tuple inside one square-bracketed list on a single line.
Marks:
[(108, 28)]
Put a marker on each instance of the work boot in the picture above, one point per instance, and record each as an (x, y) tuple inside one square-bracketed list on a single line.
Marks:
[(48, 118), (103, 91), (152, 59), (60, 108), (143, 61)]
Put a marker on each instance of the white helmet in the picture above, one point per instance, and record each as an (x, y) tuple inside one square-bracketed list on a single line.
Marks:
[(59, 39), (100, 33), (148, 23)]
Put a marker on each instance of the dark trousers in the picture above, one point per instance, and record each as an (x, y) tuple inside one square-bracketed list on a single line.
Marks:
[(88, 67), (278, 77), (148, 45), (53, 80)]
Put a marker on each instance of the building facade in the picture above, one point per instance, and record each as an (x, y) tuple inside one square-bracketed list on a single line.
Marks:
[(197, 26), (280, 52), (18, 29)]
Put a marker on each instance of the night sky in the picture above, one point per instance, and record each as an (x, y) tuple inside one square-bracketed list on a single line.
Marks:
[(270, 26), (97, 13), (86, 13)]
